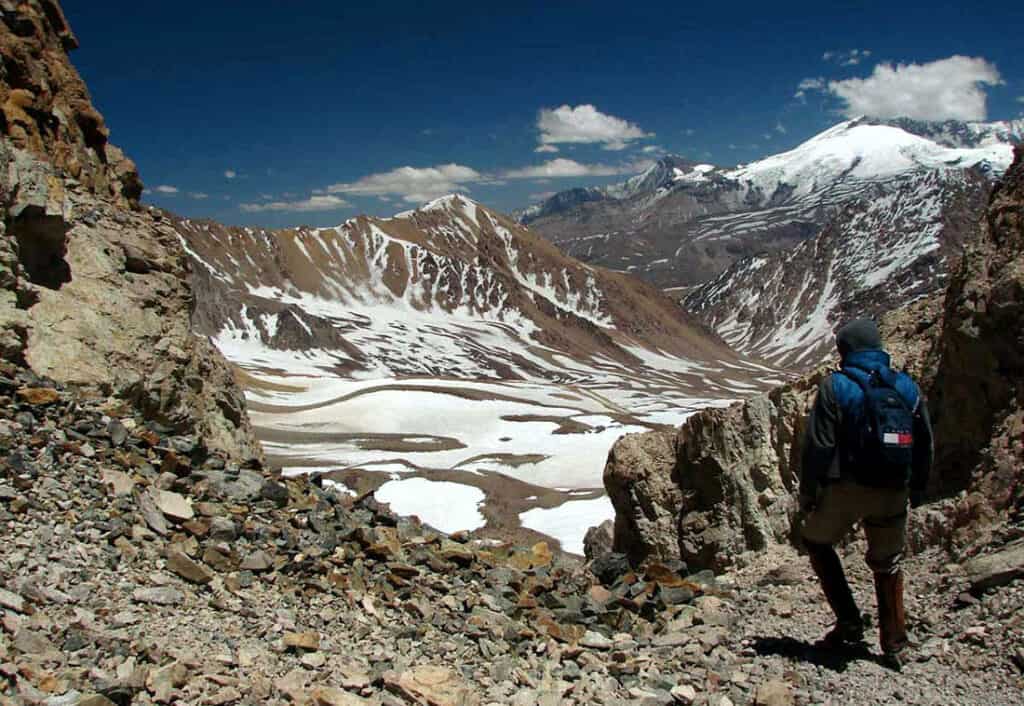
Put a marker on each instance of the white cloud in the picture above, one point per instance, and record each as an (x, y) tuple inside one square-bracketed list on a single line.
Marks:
[(413, 184), (167, 190), (586, 124), (850, 57), (809, 84), (313, 203), (561, 167), (689, 132), (780, 128), (230, 174), (546, 148), (198, 195), (948, 89), (653, 149), (1020, 99)]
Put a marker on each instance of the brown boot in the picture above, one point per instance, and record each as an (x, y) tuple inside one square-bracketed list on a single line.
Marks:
[(892, 620), (849, 628)]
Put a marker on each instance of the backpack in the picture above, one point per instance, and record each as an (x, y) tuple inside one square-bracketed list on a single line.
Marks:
[(879, 448)]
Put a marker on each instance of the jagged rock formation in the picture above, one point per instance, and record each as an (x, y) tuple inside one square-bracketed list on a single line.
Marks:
[(95, 292), (706, 503), (891, 246)]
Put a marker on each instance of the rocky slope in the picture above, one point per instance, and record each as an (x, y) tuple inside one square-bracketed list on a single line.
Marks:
[(139, 570), (721, 485), (94, 292), (683, 223), (893, 244)]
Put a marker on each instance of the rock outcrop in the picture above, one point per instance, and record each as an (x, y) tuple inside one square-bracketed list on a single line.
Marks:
[(94, 290), (722, 485), (978, 389)]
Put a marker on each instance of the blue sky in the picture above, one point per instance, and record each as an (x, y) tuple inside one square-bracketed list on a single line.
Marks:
[(277, 113)]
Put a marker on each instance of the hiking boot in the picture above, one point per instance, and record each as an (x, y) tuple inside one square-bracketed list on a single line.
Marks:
[(894, 660), (846, 633)]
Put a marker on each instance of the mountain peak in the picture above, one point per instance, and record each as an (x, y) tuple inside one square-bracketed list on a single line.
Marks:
[(454, 202)]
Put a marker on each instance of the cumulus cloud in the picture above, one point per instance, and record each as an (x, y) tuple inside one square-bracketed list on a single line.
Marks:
[(313, 203), (546, 148), (166, 189), (561, 167), (587, 125), (413, 184), (948, 89), (198, 195), (653, 149), (230, 174), (850, 57)]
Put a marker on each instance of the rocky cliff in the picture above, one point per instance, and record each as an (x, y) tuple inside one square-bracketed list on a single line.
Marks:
[(94, 291), (722, 484), (978, 390)]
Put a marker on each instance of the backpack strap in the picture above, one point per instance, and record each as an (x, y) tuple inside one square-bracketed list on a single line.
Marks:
[(889, 379)]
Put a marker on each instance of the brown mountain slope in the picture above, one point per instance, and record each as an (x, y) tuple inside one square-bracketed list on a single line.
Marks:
[(353, 286)]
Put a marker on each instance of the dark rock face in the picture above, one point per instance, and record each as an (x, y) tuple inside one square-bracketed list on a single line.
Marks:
[(978, 391), (46, 107)]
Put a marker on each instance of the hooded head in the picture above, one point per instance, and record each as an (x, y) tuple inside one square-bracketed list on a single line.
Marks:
[(858, 335)]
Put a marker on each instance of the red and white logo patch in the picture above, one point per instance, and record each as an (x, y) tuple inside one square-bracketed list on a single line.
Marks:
[(893, 438)]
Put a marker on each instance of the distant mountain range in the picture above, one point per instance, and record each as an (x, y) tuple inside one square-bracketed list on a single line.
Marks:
[(681, 223), (774, 254)]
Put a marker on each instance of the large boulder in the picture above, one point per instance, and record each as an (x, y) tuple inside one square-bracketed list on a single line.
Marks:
[(721, 486)]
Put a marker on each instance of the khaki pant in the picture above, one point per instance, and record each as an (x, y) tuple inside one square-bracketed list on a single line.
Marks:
[(883, 510)]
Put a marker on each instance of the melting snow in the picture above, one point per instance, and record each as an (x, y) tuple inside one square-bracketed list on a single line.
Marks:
[(446, 506), (569, 522)]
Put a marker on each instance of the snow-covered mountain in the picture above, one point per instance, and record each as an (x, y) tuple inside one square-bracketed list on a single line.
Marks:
[(682, 223), (890, 246), (452, 288)]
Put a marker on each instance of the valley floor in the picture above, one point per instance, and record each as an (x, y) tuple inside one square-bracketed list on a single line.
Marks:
[(519, 460)]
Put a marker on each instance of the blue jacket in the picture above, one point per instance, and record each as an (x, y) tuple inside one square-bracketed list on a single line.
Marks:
[(840, 406)]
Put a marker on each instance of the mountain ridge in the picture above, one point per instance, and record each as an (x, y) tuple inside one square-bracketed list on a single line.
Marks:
[(699, 219)]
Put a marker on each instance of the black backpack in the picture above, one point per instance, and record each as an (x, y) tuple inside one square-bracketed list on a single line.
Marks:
[(880, 443)]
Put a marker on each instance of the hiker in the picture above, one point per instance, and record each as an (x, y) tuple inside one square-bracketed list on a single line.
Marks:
[(867, 451)]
